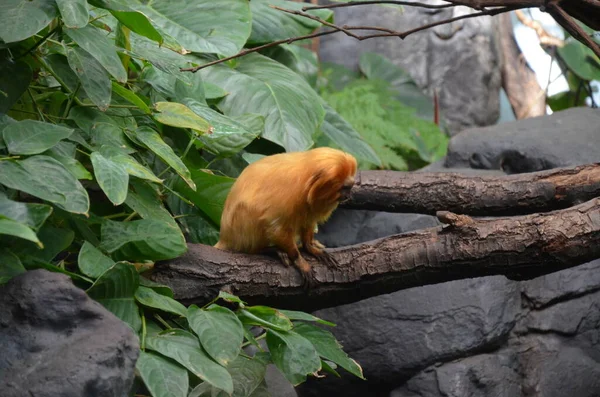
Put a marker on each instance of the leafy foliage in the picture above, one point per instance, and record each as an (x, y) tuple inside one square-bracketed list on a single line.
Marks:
[(111, 159)]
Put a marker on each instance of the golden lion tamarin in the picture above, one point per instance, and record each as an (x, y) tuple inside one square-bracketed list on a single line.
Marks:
[(281, 198)]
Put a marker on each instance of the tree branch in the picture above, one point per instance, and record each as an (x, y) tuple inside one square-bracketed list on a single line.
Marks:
[(427, 193), (519, 247)]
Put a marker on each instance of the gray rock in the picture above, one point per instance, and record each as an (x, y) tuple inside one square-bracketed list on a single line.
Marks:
[(561, 285), (477, 376), (459, 60), (58, 342), (567, 138), (347, 227), (395, 336)]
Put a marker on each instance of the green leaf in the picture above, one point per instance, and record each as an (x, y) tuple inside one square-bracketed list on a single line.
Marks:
[(154, 142), (202, 25), (14, 80), (377, 67), (179, 115), (296, 315), (30, 214), (291, 108), (74, 13), (11, 265), (115, 291), (129, 164), (33, 137), (108, 134), (328, 347), (226, 296), (565, 100), (343, 134), (269, 24), (112, 178), (301, 60), (210, 194), (89, 119), (293, 355), (145, 200), (74, 166), (130, 97), (24, 18), (138, 23), (159, 288), (219, 330), (46, 178), (92, 262), (227, 136), (247, 375), (142, 239), (330, 367), (265, 317), (94, 79), (161, 58), (193, 222), (162, 377), (184, 348), (148, 297), (54, 240), (14, 228), (580, 59), (212, 91), (95, 42)]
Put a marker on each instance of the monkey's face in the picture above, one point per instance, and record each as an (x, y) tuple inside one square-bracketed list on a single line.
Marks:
[(346, 189)]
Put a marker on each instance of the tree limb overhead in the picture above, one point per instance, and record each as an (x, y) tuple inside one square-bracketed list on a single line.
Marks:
[(429, 192), (519, 247)]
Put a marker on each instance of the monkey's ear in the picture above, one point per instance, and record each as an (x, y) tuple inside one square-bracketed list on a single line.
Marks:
[(320, 185)]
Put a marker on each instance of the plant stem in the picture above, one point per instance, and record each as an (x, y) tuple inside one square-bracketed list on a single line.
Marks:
[(70, 102), (57, 77), (35, 104), (162, 321)]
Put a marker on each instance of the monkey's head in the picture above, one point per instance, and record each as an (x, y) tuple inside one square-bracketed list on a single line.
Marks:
[(331, 179)]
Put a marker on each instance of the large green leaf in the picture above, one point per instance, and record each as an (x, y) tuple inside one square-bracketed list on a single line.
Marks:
[(227, 136), (203, 25), (24, 18), (258, 84), (184, 348), (33, 137), (74, 13), (154, 142), (145, 200), (94, 79), (196, 227), (269, 24), (95, 42), (46, 178), (30, 214), (16, 229), (343, 134), (266, 317), (219, 331), (296, 315), (210, 194), (301, 60), (92, 262), (580, 59), (162, 376), (54, 239), (377, 67), (130, 96), (128, 163), (248, 374), (11, 265), (134, 20), (68, 160), (293, 354), (115, 291), (179, 115), (142, 239), (112, 178), (161, 58), (328, 347), (148, 297), (14, 80)]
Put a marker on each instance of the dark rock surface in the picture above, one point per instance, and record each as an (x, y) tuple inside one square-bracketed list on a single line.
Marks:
[(485, 337), (567, 138), (55, 341), (440, 59)]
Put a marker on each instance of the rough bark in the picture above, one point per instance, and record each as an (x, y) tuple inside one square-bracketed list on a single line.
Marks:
[(518, 80), (519, 247), (428, 193)]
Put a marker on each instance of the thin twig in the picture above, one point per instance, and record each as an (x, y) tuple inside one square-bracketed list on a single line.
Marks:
[(40, 42), (400, 3), (316, 18), (573, 28)]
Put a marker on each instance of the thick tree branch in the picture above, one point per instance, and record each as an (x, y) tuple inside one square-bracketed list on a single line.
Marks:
[(429, 192), (519, 247)]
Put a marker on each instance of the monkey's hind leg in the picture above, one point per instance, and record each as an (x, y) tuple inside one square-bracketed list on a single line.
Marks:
[(289, 254), (316, 249)]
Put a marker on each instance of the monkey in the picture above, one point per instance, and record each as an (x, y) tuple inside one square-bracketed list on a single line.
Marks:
[(281, 199)]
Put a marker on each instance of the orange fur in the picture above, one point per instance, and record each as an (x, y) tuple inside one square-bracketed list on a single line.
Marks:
[(283, 197)]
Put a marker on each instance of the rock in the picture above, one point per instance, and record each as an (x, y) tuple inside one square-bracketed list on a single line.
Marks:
[(477, 376), (567, 138), (58, 342), (440, 59), (395, 336)]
